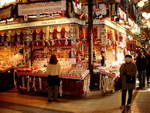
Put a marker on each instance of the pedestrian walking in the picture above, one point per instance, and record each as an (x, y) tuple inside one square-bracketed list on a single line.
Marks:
[(53, 70), (141, 67), (148, 67), (128, 72)]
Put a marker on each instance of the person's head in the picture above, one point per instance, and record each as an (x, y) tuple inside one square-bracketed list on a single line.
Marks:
[(102, 53), (138, 53), (53, 60), (128, 58)]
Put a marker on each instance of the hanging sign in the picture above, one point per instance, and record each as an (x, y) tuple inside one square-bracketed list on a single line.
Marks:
[(41, 8), (5, 13), (98, 12)]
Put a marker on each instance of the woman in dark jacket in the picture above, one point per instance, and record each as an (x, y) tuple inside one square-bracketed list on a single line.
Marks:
[(128, 76), (53, 70)]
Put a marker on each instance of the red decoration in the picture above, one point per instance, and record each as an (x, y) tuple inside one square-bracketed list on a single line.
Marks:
[(76, 3), (112, 18)]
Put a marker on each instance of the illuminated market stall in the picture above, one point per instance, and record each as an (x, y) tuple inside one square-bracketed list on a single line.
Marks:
[(36, 30)]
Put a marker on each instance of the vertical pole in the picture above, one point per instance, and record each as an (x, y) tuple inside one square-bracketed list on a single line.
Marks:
[(90, 39)]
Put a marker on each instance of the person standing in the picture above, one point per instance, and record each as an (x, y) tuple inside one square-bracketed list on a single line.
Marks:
[(103, 59), (53, 70), (141, 66), (148, 67), (128, 72)]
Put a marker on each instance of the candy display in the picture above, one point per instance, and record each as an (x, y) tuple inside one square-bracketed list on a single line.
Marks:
[(9, 58), (33, 79)]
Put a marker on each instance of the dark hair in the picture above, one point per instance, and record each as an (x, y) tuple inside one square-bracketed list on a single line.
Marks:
[(53, 60), (128, 56), (102, 52)]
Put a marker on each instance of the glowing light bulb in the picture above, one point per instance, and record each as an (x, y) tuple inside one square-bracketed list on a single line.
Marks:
[(140, 4), (144, 14)]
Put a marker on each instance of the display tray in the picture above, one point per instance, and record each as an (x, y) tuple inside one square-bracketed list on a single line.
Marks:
[(36, 84), (109, 74), (63, 76)]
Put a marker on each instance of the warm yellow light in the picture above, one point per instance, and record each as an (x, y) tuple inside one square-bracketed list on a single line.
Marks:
[(140, 4), (145, 0), (3, 2), (146, 15)]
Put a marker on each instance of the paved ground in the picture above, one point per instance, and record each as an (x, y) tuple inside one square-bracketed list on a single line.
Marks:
[(16, 103), (141, 103), (13, 102)]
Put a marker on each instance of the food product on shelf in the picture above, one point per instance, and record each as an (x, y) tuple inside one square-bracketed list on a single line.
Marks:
[(9, 58)]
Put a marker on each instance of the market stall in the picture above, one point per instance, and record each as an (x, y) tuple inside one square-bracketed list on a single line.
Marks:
[(110, 44), (37, 45), (9, 59)]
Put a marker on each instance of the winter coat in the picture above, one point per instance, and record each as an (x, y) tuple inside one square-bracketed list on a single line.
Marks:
[(128, 69), (148, 65), (141, 63)]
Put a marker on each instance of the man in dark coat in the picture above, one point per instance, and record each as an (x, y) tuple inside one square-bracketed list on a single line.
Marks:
[(141, 66), (128, 72), (148, 67)]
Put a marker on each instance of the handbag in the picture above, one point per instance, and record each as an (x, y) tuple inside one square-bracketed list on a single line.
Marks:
[(118, 83), (130, 79)]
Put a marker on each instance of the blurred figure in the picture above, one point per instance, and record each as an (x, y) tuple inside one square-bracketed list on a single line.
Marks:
[(141, 66), (103, 59), (53, 70), (128, 72), (148, 66)]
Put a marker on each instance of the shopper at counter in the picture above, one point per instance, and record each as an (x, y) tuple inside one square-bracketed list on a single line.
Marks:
[(53, 71), (128, 76)]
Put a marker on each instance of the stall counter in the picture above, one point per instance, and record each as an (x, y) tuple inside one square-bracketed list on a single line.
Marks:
[(36, 83)]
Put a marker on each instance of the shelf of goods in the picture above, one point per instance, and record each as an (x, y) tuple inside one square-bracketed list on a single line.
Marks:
[(74, 80), (9, 58), (108, 76)]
